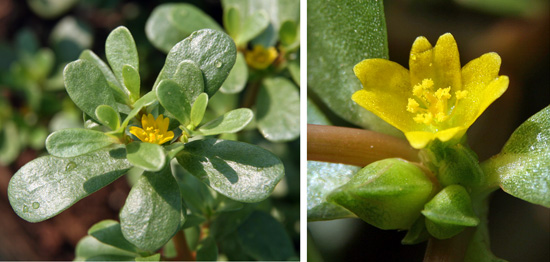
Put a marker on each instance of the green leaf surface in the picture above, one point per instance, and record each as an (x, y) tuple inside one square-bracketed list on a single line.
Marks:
[(236, 81), (289, 34), (87, 86), (232, 21), (152, 213), (118, 91), (198, 109), (170, 23), (294, 69), (264, 238), (194, 193), (212, 51), (339, 37), (48, 185), (76, 141), (109, 232), (315, 115), (131, 79), (148, 156), (175, 100), (10, 143), (323, 178), (107, 116), (228, 223), (155, 257), (254, 24), (231, 122), (144, 101), (50, 8), (523, 165), (278, 110), (121, 50), (207, 250), (91, 249), (238, 170)]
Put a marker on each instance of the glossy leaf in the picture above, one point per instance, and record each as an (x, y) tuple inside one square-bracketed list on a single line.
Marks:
[(87, 86), (212, 51), (152, 213), (148, 156), (107, 116), (254, 24), (196, 195), (48, 185), (294, 69), (76, 141), (175, 100), (227, 167), (109, 232), (130, 76), (170, 23), (118, 91), (121, 50), (237, 78), (278, 110), (91, 249), (231, 122), (198, 109), (335, 46)]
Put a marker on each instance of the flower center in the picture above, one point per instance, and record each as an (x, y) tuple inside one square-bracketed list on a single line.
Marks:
[(432, 106)]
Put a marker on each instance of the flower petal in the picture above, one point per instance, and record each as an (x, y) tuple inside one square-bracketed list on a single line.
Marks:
[(420, 59), (169, 135), (138, 132), (447, 63), (419, 139)]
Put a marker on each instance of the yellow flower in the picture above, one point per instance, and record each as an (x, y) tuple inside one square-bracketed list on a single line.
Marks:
[(260, 58), (153, 131), (437, 98)]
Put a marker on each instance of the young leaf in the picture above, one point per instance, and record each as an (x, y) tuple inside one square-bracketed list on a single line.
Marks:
[(212, 51), (227, 167), (232, 21), (87, 86), (278, 110), (91, 249), (109, 232), (289, 34), (189, 76), (254, 24), (174, 99), (48, 185), (231, 122), (76, 141), (237, 78), (107, 116), (120, 50), (152, 213), (150, 157), (130, 76), (145, 100), (198, 109)]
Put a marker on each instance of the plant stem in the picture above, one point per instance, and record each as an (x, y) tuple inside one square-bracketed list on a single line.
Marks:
[(182, 248), (354, 146)]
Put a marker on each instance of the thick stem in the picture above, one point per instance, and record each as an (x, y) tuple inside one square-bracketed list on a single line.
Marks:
[(182, 248), (354, 146)]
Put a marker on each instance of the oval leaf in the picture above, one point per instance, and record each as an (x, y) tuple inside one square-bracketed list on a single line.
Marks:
[(254, 24), (118, 91), (109, 232), (108, 116), (152, 213), (231, 122), (76, 141), (240, 171), (48, 185), (150, 157), (236, 81), (120, 50), (232, 21), (198, 109), (130, 75), (278, 110)]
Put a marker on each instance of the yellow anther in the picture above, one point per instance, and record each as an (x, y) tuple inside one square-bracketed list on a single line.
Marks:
[(431, 107), (461, 94), (412, 106), (443, 93)]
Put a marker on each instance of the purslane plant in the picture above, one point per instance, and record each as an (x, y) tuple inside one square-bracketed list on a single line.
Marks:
[(125, 130)]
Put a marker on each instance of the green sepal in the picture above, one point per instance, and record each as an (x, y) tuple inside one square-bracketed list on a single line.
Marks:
[(131, 79), (73, 142), (148, 156), (120, 50), (198, 109), (231, 122), (388, 194), (449, 212), (108, 116), (417, 233)]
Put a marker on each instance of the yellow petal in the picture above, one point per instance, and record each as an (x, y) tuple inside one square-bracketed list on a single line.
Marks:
[(169, 135), (447, 63), (163, 124), (138, 132), (419, 139), (420, 59)]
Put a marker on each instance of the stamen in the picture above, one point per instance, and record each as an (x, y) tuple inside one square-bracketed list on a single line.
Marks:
[(431, 107)]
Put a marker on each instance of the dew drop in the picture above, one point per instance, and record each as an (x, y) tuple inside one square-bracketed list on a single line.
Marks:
[(25, 208), (70, 166), (218, 64), (35, 205)]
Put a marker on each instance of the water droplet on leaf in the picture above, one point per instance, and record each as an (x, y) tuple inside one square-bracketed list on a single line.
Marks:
[(35, 205), (25, 208), (70, 166), (218, 64)]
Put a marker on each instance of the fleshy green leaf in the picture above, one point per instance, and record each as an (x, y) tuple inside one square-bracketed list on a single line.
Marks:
[(109, 232), (107, 116), (91, 249), (323, 178), (145, 100), (315, 115), (212, 51), (236, 81), (278, 110), (264, 238), (148, 156), (155, 257), (238, 170), (229, 222), (50, 8), (48, 185), (254, 24), (175, 100), (198, 109), (172, 22), (9, 143), (118, 91), (231, 122), (195, 193), (152, 213), (207, 250), (232, 21), (289, 34), (335, 46), (121, 50), (76, 141), (523, 165), (87, 86), (130, 76)]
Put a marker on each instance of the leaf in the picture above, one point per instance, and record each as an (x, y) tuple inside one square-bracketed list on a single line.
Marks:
[(91, 249), (323, 178), (48, 185), (231, 122), (237, 78), (195, 194), (50, 8), (121, 50), (335, 46), (523, 165), (155, 257), (212, 51), (254, 24), (130, 76), (172, 22), (294, 69), (232, 21), (207, 250), (87, 86), (240, 171), (107, 116), (198, 109), (109, 232), (278, 110), (144, 101), (118, 91), (152, 213), (148, 156), (315, 115), (229, 222), (174, 99), (289, 34), (76, 141), (10, 144), (264, 238)]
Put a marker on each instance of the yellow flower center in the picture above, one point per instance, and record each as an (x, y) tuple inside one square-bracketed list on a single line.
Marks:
[(432, 106), (260, 57), (154, 131)]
